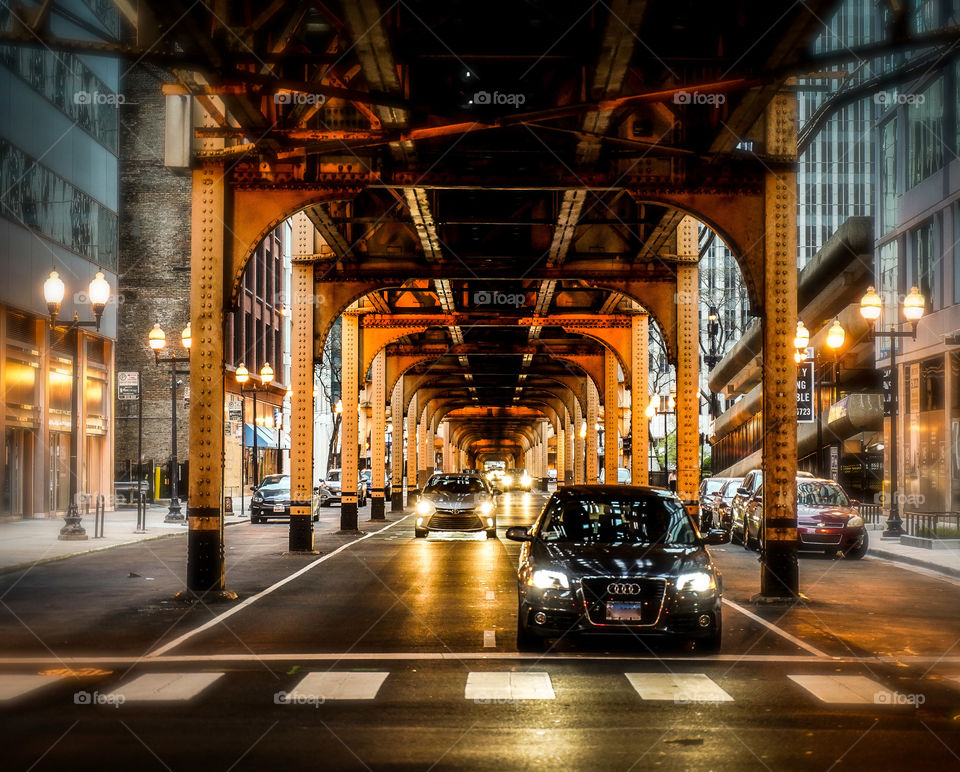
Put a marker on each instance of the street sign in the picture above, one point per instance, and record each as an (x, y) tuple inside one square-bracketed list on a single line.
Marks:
[(128, 385), (835, 463), (805, 412), (236, 409)]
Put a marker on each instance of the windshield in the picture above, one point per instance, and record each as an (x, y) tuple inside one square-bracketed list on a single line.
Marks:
[(714, 485), (454, 485), (730, 489), (275, 484), (821, 494), (615, 520)]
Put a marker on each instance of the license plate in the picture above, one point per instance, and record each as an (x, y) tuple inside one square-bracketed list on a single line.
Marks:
[(624, 612), (278, 507)]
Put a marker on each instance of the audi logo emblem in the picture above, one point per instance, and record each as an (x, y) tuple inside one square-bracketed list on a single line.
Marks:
[(623, 588)]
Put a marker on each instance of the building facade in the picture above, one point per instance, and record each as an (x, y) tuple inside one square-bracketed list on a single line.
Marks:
[(59, 176)]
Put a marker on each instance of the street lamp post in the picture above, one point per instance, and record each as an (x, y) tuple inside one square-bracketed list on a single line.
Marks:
[(713, 357), (663, 405), (266, 377), (99, 293), (871, 306), (158, 340)]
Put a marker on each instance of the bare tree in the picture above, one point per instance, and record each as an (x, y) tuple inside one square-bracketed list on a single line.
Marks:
[(331, 385)]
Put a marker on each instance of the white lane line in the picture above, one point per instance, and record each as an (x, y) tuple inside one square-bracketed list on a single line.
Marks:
[(779, 631), (264, 593), (165, 687), (337, 686), (508, 686), (489, 639), (845, 690), (13, 686), (491, 595), (681, 688)]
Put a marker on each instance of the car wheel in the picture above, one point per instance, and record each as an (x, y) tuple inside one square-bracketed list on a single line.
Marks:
[(254, 519), (316, 517), (712, 642), (857, 551), (748, 541), (492, 534), (735, 538), (527, 640), (419, 533)]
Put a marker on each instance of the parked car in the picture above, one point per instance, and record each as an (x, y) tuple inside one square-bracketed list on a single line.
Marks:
[(748, 486), (456, 502), (827, 520), (612, 559), (708, 487), (272, 499), (332, 483), (366, 476), (720, 506), (623, 476)]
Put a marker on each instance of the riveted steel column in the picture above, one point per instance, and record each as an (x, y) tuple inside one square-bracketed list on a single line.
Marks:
[(544, 455), (639, 399), (205, 566), (575, 444), (779, 573), (688, 384), (611, 412), (412, 443), (350, 427), (378, 437), (421, 445), (431, 446), (301, 409), (561, 455), (593, 414), (396, 448)]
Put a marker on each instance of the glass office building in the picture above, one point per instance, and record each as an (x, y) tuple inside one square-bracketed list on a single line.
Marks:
[(58, 174)]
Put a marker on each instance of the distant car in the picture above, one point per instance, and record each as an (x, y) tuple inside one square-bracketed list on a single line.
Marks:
[(708, 487), (748, 486), (272, 499), (366, 476), (516, 480), (456, 502), (333, 484), (623, 476), (827, 520), (611, 559), (720, 506)]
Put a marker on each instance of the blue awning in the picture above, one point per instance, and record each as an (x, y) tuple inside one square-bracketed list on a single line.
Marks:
[(266, 438)]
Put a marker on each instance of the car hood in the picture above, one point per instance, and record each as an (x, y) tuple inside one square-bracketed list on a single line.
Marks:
[(824, 516), (275, 497), (447, 500), (332, 485), (622, 560)]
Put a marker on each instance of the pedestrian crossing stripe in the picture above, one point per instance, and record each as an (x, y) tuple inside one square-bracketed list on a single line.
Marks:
[(13, 686), (679, 688), (504, 687), (164, 687), (317, 688), (845, 689)]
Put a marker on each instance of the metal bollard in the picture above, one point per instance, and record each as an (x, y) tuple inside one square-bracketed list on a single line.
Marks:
[(141, 512), (99, 516)]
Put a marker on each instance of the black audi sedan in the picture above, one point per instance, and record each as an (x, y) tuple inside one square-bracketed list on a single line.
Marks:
[(272, 499), (616, 559)]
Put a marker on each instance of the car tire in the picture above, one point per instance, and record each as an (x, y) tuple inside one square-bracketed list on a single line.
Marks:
[(858, 550), (254, 519), (711, 643), (419, 533), (526, 639), (492, 534), (748, 542)]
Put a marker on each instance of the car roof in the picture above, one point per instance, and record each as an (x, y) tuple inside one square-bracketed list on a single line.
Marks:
[(629, 490)]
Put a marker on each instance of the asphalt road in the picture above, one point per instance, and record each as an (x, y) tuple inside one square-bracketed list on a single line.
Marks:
[(395, 653)]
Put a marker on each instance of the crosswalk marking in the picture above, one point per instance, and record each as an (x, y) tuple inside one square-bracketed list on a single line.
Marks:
[(508, 686), (13, 686), (165, 687), (338, 686), (844, 689), (680, 688)]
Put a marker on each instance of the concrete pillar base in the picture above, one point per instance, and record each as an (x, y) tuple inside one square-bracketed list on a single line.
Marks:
[(377, 511), (348, 516), (301, 534), (396, 501)]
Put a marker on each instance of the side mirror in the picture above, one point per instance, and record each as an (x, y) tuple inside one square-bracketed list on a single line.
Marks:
[(253, 488), (497, 491), (519, 533), (714, 536), (743, 492), (855, 502)]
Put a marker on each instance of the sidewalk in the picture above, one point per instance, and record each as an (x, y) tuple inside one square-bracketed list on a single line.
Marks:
[(942, 561), (27, 542)]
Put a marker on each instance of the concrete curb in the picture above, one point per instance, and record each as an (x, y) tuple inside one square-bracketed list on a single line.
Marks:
[(896, 557), (55, 558)]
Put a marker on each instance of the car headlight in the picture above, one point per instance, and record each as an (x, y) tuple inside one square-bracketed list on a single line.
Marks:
[(490, 522), (507, 480), (526, 480), (425, 508), (549, 580), (855, 522), (419, 521), (486, 508), (257, 498), (699, 581)]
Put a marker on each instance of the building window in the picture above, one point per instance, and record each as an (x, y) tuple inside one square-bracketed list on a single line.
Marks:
[(888, 176), (924, 261), (925, 133)]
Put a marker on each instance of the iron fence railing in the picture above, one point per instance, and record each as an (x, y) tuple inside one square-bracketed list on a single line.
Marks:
[(932, 525), (871, 513)]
